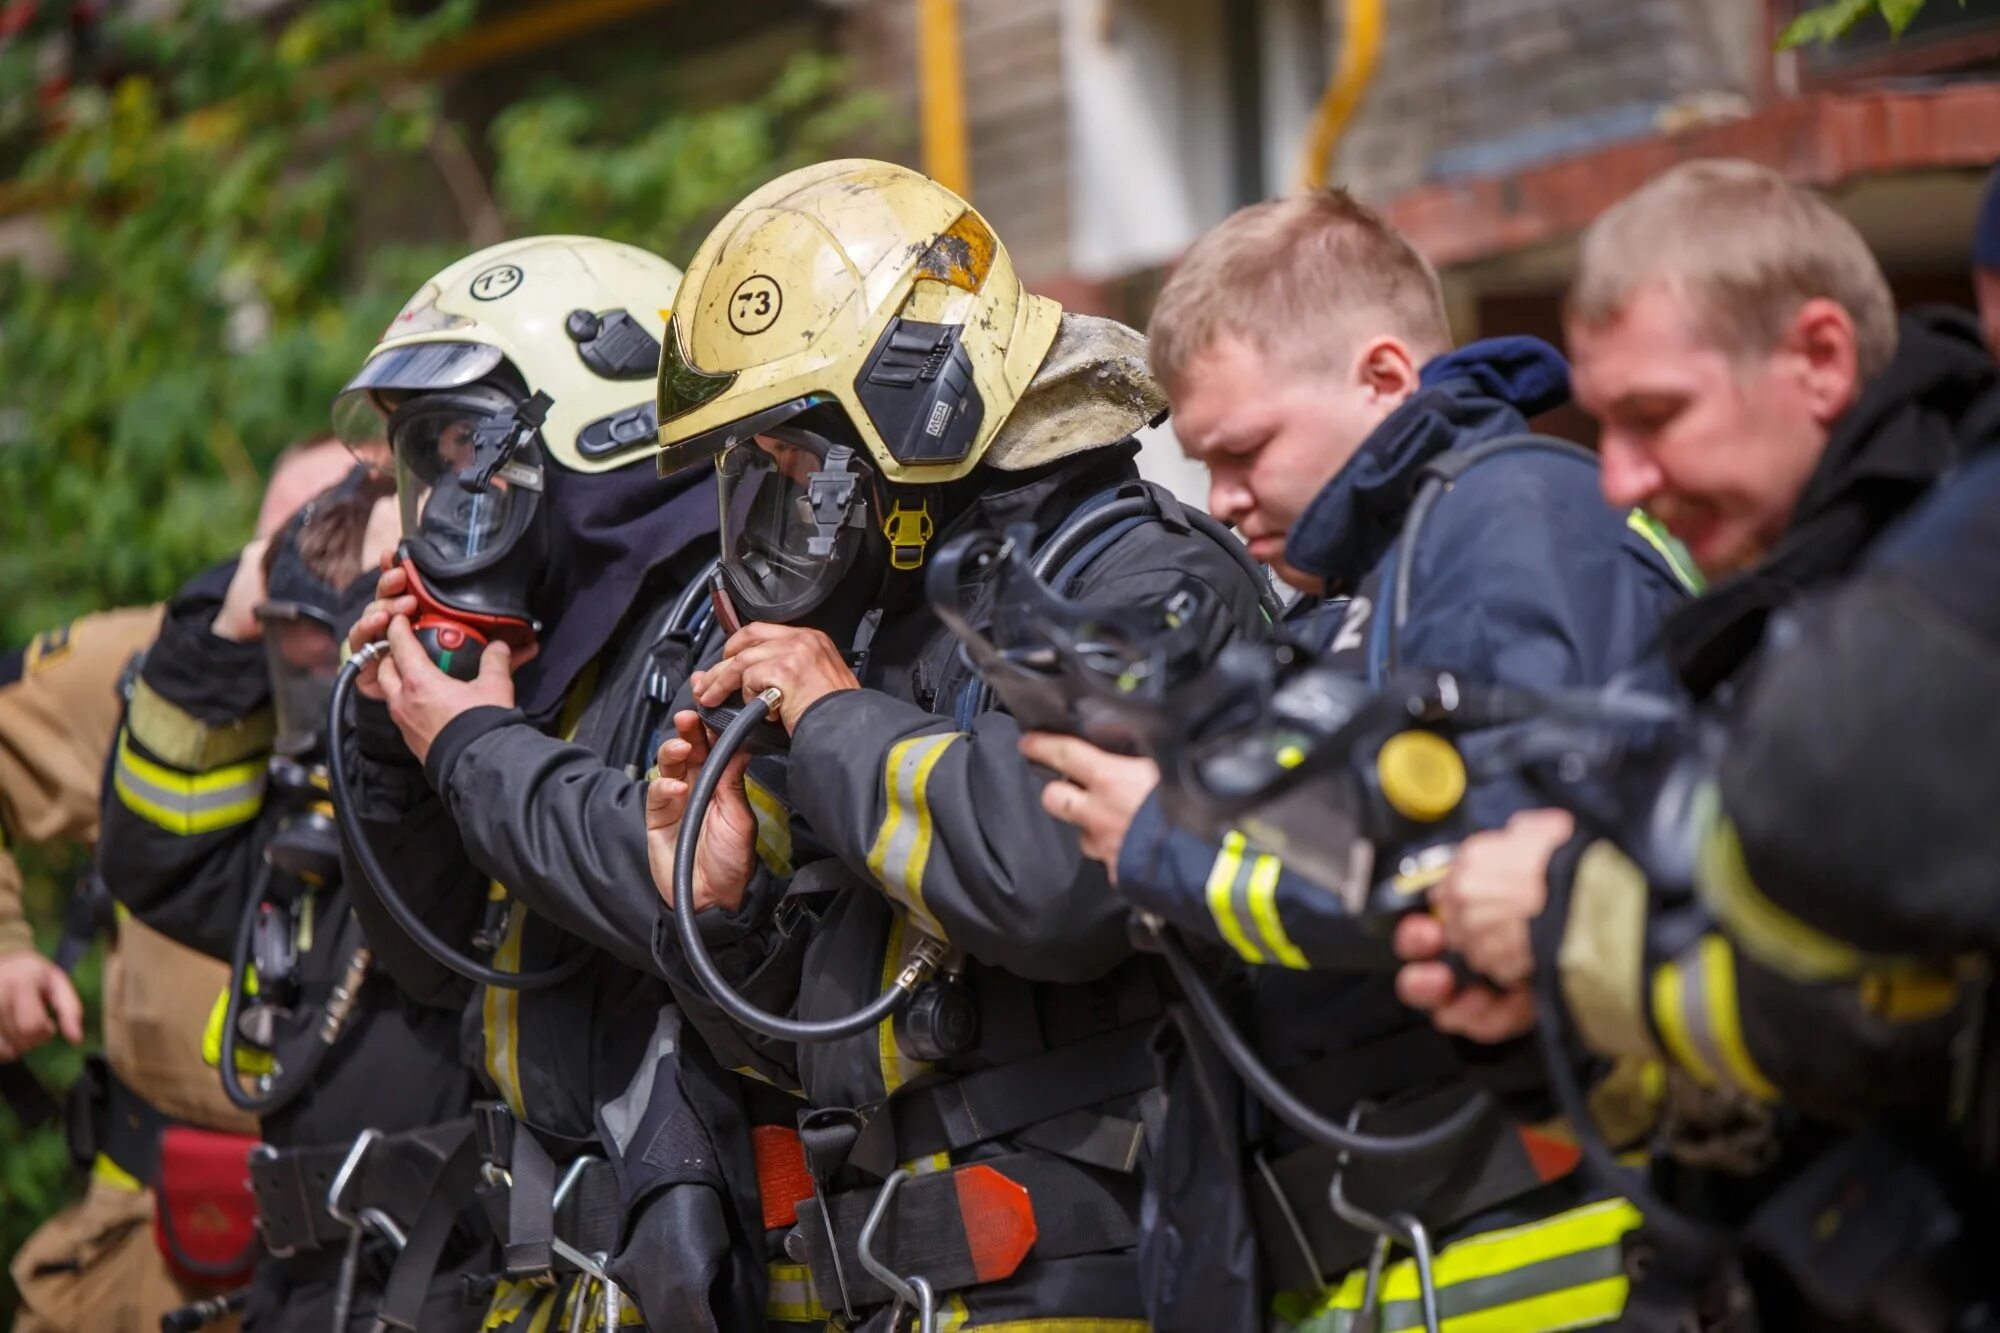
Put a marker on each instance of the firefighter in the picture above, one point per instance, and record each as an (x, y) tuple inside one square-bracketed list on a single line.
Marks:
[(536, 624), (98, 1264), (1305, 345), (1760, 396), (856, 364)]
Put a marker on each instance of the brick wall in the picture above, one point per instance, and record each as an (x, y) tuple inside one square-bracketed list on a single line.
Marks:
[(1484, 86)]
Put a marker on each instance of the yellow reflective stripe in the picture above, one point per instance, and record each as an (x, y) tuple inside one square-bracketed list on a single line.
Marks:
[(791, 1296), (1725, 1018), (186, 742), (1695, 1008), (500, 1012), (1263, 894), (104, 1171), (1221, 888), (1560, 1272), (1063, 1323), (903, 844), (955, 1315), (249, 1059), (187, 803), (774, 827), (512, 1299), (1670, 550), (1668, 997), (576, 1288), (897, 1068), (1765, 931)]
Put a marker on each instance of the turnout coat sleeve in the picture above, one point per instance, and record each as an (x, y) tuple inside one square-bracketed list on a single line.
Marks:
[(185, 806), (59, 710), (1569, 600), (565, 832), (949, 823)]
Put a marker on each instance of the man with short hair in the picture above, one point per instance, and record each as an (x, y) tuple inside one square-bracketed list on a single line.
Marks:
[(1734, 337), (1305, 348)]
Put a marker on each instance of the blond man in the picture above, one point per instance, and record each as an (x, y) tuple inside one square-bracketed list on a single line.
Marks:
[(1305, 347)]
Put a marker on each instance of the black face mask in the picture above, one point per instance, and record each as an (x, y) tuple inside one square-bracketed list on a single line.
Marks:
[(801, 529), (469, 479)]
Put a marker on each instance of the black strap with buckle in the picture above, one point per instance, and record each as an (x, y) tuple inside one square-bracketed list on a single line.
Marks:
[(397, 1176), (106, 1117), (1077, 1211), (1041, 1099)]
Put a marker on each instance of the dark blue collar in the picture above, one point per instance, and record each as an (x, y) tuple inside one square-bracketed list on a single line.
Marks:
[(1480, 392)]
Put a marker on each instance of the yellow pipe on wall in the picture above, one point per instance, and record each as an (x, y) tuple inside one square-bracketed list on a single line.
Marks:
[(1360, 48), (941, 96)]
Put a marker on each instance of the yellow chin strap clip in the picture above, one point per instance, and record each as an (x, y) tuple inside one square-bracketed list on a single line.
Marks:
[(909, 532)]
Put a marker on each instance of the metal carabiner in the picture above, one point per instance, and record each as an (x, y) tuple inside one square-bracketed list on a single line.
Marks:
[(1398, 1228), (913, 1292), (358, 1223)]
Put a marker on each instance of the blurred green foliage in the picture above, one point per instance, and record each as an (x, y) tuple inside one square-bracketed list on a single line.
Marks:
[(1826, 23), (198, 290)]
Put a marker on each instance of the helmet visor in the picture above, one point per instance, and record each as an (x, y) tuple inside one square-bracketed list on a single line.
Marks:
[(302, 655), (442, 457), (358, 414), (795, 513)]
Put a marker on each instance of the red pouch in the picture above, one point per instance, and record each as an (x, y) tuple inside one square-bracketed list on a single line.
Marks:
[(205, 1217)]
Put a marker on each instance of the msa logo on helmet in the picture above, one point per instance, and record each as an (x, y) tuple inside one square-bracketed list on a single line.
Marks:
[(917, 388)]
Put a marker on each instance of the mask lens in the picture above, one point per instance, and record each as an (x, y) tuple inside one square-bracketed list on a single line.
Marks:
[(436, 456), (785, 546), (302, 655)]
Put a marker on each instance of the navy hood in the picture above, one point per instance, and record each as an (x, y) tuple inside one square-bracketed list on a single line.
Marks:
[(1480, 392), (608, 531)]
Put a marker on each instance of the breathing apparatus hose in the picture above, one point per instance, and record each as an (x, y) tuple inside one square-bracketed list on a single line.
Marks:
[(363, 851), (1282, 1101), (695, 949), (290, 1082)]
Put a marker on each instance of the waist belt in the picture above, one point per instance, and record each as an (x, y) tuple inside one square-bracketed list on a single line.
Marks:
[(1040, 1099), (107, 1119), (965, 1226), (396, 1176)]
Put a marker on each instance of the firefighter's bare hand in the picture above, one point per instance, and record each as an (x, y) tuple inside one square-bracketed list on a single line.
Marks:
[(1496, 885), (422, 699), (392, 599), (37, 1000), (803, 663), (1095, 791), (237, 620), (728, 853)]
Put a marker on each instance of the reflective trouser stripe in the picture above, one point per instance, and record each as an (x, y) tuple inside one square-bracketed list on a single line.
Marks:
[(1566, 1271), (187, 803), (903, 844), (774, 827), (1223, 904), (792, 1299), (1695, 1009)]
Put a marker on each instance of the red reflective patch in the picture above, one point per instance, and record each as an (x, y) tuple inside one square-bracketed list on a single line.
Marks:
[(999, 1220), (1550, 1156), (782, 1178)]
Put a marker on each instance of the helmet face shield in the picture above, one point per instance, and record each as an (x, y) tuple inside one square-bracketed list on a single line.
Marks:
[(464, 490), (797, 520), (302, 655)]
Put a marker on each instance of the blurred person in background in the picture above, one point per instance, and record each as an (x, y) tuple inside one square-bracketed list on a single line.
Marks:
[(217, 835), (98, 1264), (1739, 345)]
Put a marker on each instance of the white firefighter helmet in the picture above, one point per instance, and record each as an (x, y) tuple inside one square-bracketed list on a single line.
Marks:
[(574, 317)]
